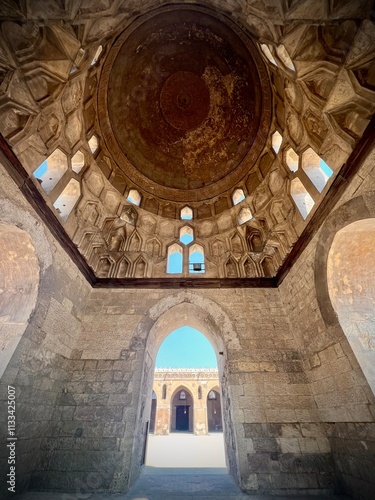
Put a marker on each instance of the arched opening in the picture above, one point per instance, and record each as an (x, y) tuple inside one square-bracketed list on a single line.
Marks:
[(19, 281), (186, 369), (206, 316), (214, 418), (301, 197), (351, 287), (174, 259), (153, 412), (182, 411), (196, 259)]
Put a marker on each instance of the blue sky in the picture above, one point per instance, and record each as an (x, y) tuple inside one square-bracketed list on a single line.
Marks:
[(186, 348)]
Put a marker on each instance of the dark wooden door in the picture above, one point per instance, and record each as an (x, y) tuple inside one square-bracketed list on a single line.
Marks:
[(182, 418)]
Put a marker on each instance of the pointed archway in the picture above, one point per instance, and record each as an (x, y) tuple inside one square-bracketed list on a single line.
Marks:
[(214, 417), (182, 410), (204, 315)]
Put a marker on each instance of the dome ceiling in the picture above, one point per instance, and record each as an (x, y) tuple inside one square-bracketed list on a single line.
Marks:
[(212, 136), (184, 103)]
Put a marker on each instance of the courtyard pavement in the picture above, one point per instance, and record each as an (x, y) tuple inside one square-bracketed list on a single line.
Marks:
[(180, 466), (186, 450)]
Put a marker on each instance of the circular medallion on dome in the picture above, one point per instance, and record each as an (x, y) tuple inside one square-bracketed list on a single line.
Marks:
[(184, 105), (185, 100)]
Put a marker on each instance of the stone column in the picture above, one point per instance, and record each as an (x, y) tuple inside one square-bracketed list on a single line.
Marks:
[(162, 418), (200, 417)]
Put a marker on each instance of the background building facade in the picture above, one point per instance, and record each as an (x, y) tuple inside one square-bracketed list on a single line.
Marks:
[(186, 399)]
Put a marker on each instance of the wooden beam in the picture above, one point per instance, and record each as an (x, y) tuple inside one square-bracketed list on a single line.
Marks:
[(335, 192), (35, 198)]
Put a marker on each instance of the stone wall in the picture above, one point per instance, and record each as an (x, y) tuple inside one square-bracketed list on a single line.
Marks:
[(39, 365), (298, 410), (344, 400), (268, 390)]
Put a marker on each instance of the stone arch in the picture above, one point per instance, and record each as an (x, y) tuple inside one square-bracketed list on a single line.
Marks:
[(214, 415), (140, 267), (104, 266), (230, 268), (351, 286), (361, 207), (123, 267), (254, 239), (268, 266), (19, 284), (17, 217), (153, 411), (187, 405), (116, 239), (135, 242), (345, 291), (172, 312)]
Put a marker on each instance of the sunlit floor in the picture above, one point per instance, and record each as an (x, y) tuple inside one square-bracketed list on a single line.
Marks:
[(180, 466), (186, 450)]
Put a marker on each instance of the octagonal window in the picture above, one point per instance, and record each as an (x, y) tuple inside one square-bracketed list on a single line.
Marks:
[(93, 143), (301, 197), (134, 197), (186, 235), (238, 196), (78, 162), (277, 139), (68, 198), (267, 52), (285, 57), (51, 170), (186, 213), (316, 169), (244, 216), (291, 158)]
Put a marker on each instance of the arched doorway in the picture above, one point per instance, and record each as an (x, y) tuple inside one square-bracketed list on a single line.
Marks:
[(153, 412), (214, 417), (182, 411), (19, 282), (203, 314), (351, 287)]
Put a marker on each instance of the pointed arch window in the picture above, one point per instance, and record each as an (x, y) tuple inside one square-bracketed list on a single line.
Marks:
[(316, 169), (277, 139), (93, 144), (134, 197), (97, 55), (285, 57), (186, 235), (301, 197), (186, 213), (244, 216), (238, 196), (291, 158), (199, 392), (196, 259), (164, 392), (78, 162), (51, 170), (267, 52), (67, 199), (174, 259)]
